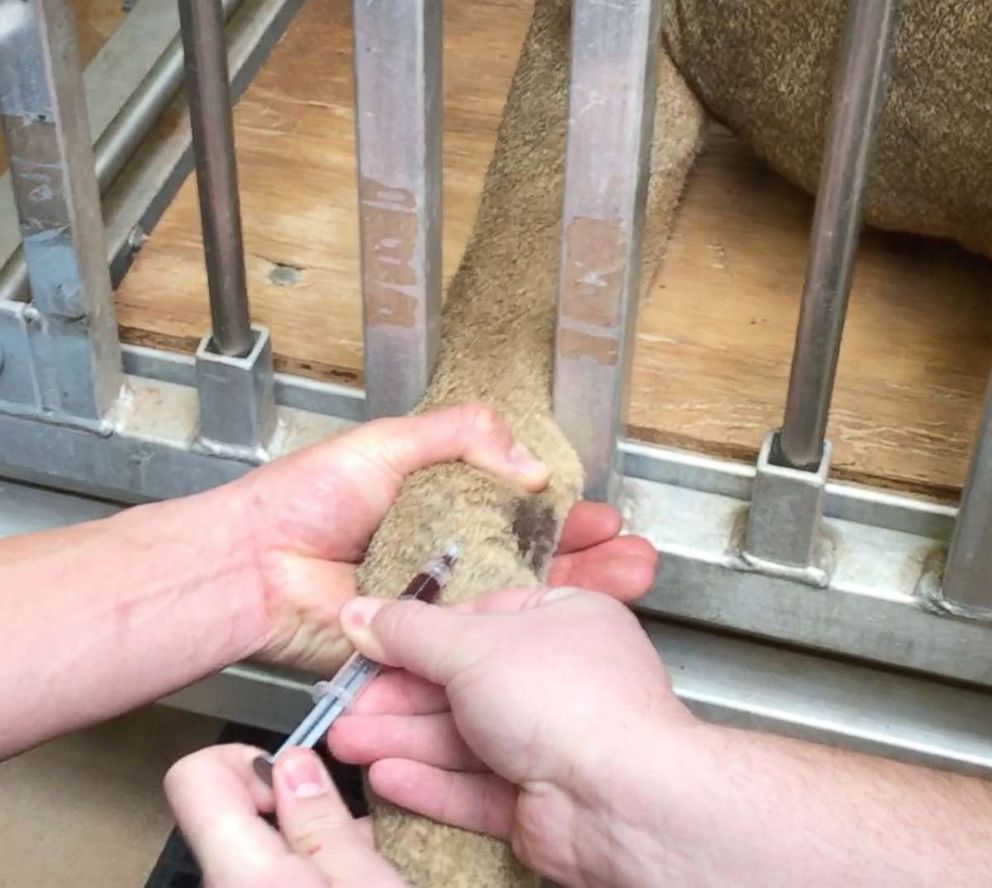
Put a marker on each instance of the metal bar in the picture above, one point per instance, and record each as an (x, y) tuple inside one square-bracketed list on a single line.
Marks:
[(312, 395), (610, 107), (967, 585), (149, 448), (129, 83), (51, 163), (209, 96), (724, 680), (121, 138), (859, 93), (135, 203), (648, 462), (237, 398), (874, 606), (398, 126)]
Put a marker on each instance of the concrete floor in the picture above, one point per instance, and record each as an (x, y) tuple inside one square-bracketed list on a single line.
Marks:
[(88, 809)]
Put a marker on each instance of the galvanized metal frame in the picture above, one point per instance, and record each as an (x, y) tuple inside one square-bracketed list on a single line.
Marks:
[(70, 333), (785, 531), (128, 85), (398, 129), (610, 123), (966, 587), (775, 551)]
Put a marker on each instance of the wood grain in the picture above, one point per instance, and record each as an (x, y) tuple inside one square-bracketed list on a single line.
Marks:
[(715, 334), (295, 140)]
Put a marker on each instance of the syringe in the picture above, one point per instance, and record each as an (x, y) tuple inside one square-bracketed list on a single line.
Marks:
[(333, 697)]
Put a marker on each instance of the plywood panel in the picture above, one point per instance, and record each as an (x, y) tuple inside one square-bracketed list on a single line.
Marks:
[(295, 140), (714, 336)]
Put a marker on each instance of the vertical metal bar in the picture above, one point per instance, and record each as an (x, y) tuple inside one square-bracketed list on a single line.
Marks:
[(398, 122), (859, 92), (209, 93), (968, 575), (610, 107), (43, 110)]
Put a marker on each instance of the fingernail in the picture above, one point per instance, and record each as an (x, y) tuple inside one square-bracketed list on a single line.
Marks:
[(525, 462), (358, 613), (304, 774), (560, 593)]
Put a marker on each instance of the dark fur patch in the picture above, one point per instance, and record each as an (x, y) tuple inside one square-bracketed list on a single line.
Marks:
[(535, 528)]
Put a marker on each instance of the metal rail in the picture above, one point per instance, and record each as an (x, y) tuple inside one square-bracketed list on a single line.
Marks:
[(610, 122), (859, 93), (70, 331), (398, 127), (209, 96), (137, 199), (967, 581), (728, 680), (725, 680), (784, 530)]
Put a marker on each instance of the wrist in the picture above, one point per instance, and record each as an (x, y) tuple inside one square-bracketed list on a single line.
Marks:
[(198, 550), (634, 809)]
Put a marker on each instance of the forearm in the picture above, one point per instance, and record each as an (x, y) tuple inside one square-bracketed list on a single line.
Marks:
[(108, 615), (750, 809)]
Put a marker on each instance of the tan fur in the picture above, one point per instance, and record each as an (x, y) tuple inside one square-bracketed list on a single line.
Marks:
[(765, 69), (497, 348)]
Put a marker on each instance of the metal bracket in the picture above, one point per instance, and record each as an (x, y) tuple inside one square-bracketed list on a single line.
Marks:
[(29, 379), (784, 526), (237, 402)]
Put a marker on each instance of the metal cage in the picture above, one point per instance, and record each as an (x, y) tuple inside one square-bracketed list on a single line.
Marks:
[(764, 568)]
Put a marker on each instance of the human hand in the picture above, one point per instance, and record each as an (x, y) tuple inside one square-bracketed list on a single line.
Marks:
[(533, 716), (310, 516), (218, 801)]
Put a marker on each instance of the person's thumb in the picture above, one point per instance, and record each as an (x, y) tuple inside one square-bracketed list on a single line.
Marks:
[(473, 433), (317, 825), (427, 640)]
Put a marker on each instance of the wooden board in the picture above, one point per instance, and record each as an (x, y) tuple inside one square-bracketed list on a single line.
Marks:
[(715, 335)]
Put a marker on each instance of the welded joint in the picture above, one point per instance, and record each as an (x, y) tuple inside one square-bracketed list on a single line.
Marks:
[(237, 402), (28, 378), (784, 533), (929, 591)]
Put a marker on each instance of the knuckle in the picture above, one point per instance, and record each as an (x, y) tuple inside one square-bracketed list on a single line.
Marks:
[(315, 832), (482, 418), (401, 620)]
